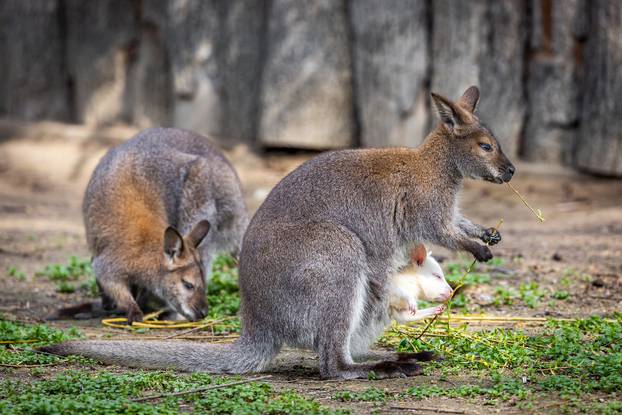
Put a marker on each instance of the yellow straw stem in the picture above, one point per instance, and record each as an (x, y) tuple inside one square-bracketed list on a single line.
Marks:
[(537, 212)]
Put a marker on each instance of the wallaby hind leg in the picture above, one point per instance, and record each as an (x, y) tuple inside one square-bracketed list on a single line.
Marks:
[(333, 343)]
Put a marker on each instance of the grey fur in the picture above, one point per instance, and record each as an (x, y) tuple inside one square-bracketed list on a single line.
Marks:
[(318, 252)]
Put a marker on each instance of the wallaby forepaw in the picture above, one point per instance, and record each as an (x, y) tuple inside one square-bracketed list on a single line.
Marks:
[(491, 236), (134, 314), (482, 254), (440, 309)]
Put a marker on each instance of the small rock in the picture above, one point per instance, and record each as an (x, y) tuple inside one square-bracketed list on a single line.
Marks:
[(556, 257)]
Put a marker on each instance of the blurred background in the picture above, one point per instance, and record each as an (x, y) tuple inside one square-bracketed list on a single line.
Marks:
[(322, 74)]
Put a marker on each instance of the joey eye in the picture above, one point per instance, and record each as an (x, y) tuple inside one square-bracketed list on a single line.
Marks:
[(439, 276), (188, 285), (485, 147)]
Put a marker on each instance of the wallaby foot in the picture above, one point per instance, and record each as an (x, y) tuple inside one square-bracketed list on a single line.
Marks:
[(410, 357), (380, 370), (491, 236)]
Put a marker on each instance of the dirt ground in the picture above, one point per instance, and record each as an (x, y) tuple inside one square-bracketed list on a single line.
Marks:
[(41, 185)]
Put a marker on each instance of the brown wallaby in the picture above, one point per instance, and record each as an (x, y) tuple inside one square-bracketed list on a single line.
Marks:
[(156, 210), (317, 255)]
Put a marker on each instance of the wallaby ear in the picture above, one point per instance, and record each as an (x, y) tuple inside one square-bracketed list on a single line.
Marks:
[(173, 243), (470, 99), (418, 254), (450, 114), (196, 235)]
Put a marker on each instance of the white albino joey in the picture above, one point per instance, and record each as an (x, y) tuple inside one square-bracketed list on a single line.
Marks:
[(422, 280)]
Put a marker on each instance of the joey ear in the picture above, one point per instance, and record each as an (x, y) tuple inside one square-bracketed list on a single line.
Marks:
[(418, 254), (470, 99), (450, 114), (198, 233), (173, 243)]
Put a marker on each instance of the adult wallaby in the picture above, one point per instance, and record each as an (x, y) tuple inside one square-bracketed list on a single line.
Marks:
[(318, 253), (142, 197)]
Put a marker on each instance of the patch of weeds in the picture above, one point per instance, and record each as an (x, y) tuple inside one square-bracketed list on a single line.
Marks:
[(28, 336), (368, 395), (560, 295), (496, 262), (71, 271), (504, 296), (529, 293), (77, 392), (15, 273), (90, 288), (454, 275), (567, 359), (65, 287), (501, 388), (62, 274), (223, 293), (565, 282)]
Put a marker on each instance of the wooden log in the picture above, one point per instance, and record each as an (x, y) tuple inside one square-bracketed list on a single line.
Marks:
[(306, 99), (599, 147), (391, 64), (553, 87), (214, 51), (33, 77)]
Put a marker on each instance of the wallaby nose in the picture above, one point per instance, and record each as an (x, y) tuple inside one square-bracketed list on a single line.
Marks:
[(201, 313), (509, 172)]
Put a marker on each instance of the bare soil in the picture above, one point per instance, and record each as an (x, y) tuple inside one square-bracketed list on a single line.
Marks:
[(41, 185)]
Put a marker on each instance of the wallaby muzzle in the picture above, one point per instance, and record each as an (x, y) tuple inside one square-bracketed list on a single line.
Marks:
[(508, 172)]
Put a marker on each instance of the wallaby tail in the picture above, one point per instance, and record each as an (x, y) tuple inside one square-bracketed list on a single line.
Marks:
[(242, 356), (93, 309)]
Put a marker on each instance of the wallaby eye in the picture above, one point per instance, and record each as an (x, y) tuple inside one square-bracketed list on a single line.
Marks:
[(188, 285), (485, 147), (439, 276)]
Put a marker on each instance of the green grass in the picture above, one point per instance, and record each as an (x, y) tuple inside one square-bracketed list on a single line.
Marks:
[(15, 273), (66, 274), (575, 366), (104, 392), (570, 360)]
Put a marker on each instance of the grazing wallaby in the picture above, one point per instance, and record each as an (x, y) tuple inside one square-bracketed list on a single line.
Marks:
[(317, 255), (156, 210), (423, 279)]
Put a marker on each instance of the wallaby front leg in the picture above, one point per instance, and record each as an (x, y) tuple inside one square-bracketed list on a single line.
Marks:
[(406, 316), (455, 239), (120, 293), (491, 236)]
